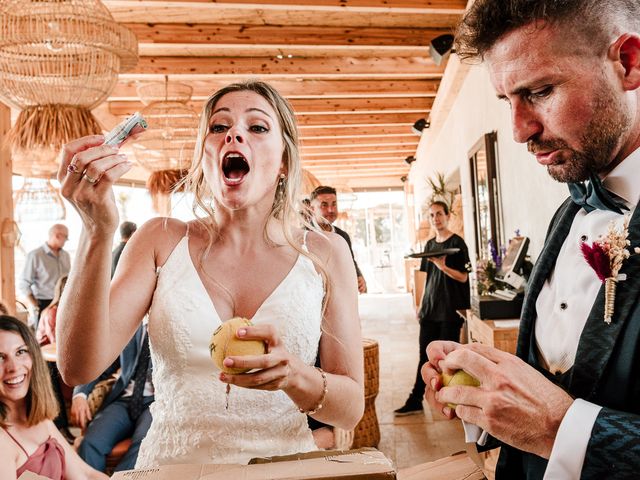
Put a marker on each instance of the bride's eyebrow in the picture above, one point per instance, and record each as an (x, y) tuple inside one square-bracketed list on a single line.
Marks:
[(255, 109)]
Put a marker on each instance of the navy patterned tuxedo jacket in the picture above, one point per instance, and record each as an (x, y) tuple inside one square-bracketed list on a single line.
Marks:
[(606, 370)]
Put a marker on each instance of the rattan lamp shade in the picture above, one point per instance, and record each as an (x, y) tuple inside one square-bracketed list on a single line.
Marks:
[(169, 141), (58, 60), (61, 52), (38, 200)]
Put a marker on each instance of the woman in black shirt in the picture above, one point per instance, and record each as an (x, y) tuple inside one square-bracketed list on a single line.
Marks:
[(446, 290)]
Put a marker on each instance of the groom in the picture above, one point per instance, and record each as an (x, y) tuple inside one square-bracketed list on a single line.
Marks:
[(568, 406)]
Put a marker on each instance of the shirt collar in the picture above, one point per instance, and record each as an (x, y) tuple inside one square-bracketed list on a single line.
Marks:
[(623, 180), (47, 249)]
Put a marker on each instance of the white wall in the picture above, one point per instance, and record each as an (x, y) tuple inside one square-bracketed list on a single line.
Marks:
[(529, 195)]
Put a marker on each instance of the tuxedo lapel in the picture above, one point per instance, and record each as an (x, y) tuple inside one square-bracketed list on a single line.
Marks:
[(598, 339), (558, 231)]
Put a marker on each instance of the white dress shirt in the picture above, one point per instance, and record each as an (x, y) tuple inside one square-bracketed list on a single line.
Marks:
[(563, 306)]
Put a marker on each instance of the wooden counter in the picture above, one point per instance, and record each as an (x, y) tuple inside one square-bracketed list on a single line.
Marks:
[(493, 332)]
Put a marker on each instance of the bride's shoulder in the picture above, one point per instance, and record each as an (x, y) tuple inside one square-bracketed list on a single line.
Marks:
[(161, 234), (324, 244), (162, 229)]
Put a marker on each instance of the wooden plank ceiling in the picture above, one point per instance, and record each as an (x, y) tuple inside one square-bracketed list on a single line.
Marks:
[(358, 72)]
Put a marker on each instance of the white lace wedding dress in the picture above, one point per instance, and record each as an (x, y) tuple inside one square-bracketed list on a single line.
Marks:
[(190, 423)]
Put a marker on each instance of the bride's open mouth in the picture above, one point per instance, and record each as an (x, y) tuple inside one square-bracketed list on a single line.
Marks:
[(234, 168)]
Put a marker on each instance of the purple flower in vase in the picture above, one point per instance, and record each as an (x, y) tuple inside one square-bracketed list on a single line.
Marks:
[(495, 255)]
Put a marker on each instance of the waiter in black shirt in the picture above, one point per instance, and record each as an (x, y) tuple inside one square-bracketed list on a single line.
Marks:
[(446, 290)]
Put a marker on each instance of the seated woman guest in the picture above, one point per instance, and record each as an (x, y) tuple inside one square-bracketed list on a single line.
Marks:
[(46, 334), (29, 440), (246, 256)]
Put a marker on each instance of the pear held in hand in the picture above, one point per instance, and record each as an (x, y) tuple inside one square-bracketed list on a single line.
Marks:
[(459, 378), (224, 343)]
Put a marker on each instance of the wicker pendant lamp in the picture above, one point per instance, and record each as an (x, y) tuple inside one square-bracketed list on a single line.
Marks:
[(38, 200), (58, 60), (166, 148)]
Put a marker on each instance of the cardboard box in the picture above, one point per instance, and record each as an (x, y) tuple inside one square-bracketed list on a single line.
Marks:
[(455, 467), (365, 463)]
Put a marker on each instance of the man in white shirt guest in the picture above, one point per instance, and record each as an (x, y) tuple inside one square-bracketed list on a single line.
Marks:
[(42, 269), (568, 406)]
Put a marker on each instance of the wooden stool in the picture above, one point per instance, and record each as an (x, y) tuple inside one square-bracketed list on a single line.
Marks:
[(116, 454), (367, 432)]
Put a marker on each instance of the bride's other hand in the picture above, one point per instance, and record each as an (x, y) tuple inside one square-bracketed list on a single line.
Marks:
[(274, 370), (88, 169)]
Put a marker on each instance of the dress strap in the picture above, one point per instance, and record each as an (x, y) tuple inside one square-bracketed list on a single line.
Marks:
[(16, 442), (304, 240), (186, 234)]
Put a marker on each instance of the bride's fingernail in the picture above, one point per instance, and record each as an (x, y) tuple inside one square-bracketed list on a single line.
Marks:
[(228, 362), (242, 332)]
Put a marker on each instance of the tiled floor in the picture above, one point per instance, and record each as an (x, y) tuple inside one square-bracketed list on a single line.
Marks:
[(390, 320)]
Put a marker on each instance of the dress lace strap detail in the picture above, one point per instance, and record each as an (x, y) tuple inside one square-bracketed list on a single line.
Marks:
[(16, 442)]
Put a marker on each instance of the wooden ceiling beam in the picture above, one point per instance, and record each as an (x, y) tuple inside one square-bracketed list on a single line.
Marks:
[(371, 120), (278, 51), (301, 106), (358, 152), (346, 159), (307, 88), (343, 67), (349, 131), (432, 6), (282, 34), (333, 145), (349, 174), (374, 172), (316, 106), (359, 173), (354, 166)]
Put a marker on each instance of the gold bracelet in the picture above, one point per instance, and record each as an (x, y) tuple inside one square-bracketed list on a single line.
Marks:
[(325, 389)]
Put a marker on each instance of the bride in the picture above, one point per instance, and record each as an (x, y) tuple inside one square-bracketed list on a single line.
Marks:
[(244, 255)]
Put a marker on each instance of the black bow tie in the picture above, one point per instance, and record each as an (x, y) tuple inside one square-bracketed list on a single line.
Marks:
[(593, 196)]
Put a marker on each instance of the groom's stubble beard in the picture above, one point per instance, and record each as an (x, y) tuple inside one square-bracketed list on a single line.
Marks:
[(600, 140)]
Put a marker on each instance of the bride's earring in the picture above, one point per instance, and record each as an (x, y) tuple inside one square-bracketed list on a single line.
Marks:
[(281, 185)]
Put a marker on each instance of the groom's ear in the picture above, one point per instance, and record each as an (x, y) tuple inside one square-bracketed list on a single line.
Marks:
[(625, 51)]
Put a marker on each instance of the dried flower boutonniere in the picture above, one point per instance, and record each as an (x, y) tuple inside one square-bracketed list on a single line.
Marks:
[(606, 256)]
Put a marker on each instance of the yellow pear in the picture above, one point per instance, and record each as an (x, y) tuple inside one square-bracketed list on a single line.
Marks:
[(224, 343), (460, 377)]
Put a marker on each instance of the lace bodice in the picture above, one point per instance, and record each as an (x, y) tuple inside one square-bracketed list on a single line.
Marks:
[(190, 423)]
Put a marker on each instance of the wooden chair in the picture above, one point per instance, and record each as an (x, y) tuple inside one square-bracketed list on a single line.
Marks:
[(116, 455)]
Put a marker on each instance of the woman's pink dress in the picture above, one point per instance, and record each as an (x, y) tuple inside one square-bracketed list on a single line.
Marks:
[(47, 460)]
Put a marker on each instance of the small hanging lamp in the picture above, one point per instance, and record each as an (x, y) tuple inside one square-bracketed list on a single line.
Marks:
[(166, 148), (38, 200)]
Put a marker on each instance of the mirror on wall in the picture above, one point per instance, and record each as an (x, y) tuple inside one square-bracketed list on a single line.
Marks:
[(486, 195)]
